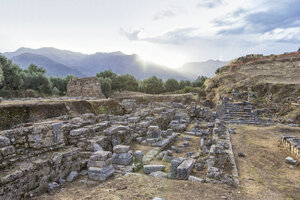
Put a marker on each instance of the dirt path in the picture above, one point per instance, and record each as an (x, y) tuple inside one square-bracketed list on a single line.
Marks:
[(263, 173)]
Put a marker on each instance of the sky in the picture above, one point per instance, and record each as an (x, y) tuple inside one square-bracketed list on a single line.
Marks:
[(168, 32)]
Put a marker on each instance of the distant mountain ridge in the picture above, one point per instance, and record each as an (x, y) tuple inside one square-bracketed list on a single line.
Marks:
[(206, 68), (63, 62)]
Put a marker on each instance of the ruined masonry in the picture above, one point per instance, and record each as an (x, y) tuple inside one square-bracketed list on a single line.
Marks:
[(85, 87), (43, 155)]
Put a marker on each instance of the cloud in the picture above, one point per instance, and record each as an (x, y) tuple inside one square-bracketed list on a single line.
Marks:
[(282, 15), (168, 12), (177, 36), (289, 35), (132, 34), (209, 3)]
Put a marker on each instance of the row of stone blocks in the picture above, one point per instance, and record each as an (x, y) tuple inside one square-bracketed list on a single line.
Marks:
[(292, 143), (180, 169)]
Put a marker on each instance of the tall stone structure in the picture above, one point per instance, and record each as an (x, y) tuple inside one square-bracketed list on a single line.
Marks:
[(85, 87)]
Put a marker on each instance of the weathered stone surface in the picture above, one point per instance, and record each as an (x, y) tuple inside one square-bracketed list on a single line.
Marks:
[(153, 168), (122, 159), (100, 174), (100, 164), (101, 155), (184, 169), (4, 141), (121, 149), (150, 155), (6, 151), (174, 165), (195, 179), (138, 156), (85, 87), (159, 174), (72, 176), (290, 160), (79, 131)]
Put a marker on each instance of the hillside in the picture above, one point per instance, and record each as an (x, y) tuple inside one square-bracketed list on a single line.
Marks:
[(61, 62), (271, 82), (206, 68)]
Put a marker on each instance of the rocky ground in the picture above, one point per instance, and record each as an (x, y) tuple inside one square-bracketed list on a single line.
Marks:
[(263, 174)]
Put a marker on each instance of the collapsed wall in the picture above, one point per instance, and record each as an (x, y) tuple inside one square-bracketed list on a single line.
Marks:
[(85, 87)]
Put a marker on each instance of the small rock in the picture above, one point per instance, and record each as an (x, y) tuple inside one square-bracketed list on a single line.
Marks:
[(158, 198), (241, 154), (186, 144), (179, 150), (159, 174), (52, 186), (189, 154), (62, 181), (72, 176), (188, 138), (196, 179), (290, 160)]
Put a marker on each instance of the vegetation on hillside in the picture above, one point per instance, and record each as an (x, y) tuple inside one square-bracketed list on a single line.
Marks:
[(33, 82), (111, 83)]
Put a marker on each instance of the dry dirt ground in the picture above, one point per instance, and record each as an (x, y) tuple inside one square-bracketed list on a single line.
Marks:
[(263, 175)]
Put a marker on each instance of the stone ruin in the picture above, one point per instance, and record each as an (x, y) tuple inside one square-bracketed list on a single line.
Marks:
[(85, 87), (292, 144), (43, 155)]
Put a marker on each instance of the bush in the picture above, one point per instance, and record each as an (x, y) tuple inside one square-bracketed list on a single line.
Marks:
[(199, 81), (171, 85), (152, 85), (105, 86)]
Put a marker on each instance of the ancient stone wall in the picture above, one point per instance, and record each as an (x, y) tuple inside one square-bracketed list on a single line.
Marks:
[(85, 87)]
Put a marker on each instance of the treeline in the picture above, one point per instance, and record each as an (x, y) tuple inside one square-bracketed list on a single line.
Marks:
[(16, 82), (111, 83), (33, 82)]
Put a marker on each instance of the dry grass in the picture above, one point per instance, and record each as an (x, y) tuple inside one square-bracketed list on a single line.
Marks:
[(263, 172)]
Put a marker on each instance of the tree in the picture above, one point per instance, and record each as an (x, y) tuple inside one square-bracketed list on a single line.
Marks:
[(171, 85), (107, 74), (12, 79), (59, 85), (105, 86), (199, 81), (152, 85), (125, 82), (34, 78), (184, 83)]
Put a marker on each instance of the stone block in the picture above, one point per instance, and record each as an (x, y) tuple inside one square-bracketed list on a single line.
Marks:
[(153, 168), (184, 169), (159, 174), (121, 149), (78, 132), (72, 176), (100, 164), (100, 174), (122, 159), (101, 155)]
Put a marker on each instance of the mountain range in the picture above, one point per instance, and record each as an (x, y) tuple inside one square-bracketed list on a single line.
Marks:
[(62, 62)]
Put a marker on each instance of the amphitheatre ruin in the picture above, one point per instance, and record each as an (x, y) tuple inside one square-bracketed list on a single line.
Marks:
[(239, 141)]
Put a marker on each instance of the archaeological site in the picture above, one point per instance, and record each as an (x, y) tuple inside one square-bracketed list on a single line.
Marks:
[(241, 140)]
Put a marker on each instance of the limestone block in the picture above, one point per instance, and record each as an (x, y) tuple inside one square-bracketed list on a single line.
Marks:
[(153, 168), (184, 169), (100, 174)]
